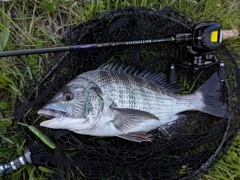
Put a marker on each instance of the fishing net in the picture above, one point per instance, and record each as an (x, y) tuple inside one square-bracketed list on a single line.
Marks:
[(183, 149)]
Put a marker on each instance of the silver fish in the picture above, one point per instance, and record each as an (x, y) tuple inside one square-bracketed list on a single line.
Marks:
[(118, 100)]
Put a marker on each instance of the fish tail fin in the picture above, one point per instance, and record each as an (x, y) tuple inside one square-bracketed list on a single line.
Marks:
[(211, 92)]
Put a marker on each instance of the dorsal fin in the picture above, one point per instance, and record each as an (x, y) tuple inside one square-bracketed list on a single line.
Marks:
[(158, 78)]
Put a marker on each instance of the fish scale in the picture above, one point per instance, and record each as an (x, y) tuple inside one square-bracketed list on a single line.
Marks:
[(147, 95)]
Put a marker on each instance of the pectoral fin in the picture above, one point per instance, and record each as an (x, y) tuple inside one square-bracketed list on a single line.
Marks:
[(136, 136), (131, 120)]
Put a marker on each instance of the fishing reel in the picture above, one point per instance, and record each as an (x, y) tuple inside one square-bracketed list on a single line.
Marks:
[(205, 39)]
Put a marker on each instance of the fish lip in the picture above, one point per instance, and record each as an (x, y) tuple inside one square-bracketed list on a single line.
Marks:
[(50, 113)]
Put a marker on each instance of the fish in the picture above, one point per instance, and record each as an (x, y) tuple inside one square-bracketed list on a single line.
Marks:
[(118, 100)]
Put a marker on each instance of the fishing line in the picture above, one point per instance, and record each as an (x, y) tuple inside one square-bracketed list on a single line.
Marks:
[(49, 73), (36, 119)]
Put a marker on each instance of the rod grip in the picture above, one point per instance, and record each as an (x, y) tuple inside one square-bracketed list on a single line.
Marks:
[(228, 34)]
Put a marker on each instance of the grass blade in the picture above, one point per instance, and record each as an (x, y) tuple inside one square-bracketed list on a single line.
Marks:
[(4, 39)]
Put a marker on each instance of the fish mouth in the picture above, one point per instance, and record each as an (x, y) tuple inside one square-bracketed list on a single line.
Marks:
[(53, 117), (50, 113)]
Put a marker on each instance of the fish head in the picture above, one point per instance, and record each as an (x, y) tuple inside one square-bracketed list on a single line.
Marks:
[(73, 108)]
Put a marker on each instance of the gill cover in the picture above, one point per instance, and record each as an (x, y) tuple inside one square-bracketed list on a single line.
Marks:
[(93, 102)]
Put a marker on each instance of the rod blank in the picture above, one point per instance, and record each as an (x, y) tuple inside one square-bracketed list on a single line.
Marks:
[(83, 47)]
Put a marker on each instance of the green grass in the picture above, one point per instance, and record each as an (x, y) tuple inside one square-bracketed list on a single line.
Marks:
[(26, 24)]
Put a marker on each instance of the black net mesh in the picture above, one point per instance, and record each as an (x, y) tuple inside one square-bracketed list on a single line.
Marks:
[(185, 149)]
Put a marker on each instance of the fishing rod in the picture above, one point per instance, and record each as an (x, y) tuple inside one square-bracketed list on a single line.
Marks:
[(206, 36)]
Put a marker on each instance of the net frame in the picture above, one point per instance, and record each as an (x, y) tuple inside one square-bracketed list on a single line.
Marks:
[(107, 27)]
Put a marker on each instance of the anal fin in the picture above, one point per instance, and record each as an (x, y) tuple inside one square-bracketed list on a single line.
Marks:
[(139, 136)]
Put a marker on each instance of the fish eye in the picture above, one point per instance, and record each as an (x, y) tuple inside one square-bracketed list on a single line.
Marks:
[(67, 96)]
